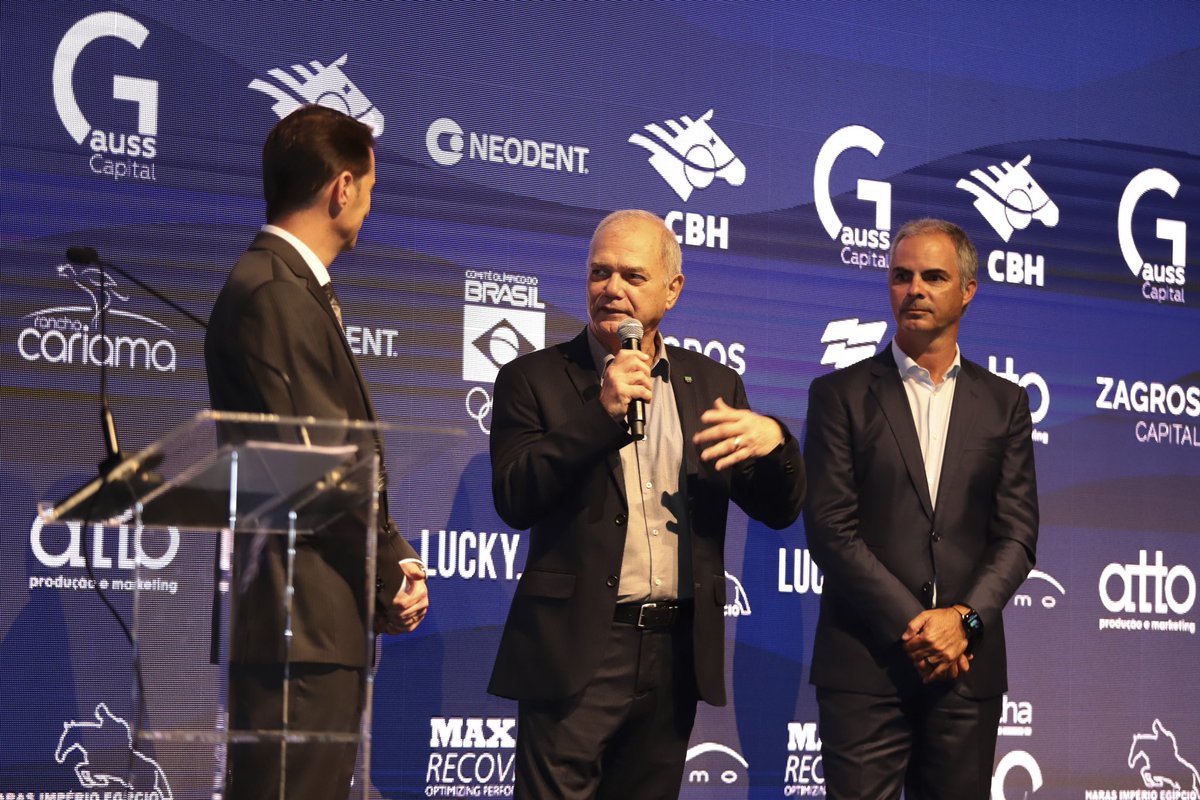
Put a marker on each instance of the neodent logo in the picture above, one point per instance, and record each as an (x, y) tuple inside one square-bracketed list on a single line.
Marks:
[(878, 193), (142, 92), (447, 143)]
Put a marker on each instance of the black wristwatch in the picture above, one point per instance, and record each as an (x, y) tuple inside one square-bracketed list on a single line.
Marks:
[(972, 625)]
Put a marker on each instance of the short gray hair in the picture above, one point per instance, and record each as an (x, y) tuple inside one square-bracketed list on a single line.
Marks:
[(671, 255), (968, 259)]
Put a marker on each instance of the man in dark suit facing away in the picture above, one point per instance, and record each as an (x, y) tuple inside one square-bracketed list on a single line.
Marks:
[(617, 626), (276, 345), (923, 515)]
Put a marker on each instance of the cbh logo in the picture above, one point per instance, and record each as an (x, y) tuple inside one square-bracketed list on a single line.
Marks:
[(141, 92), (861, 247), (1010, 200), (688, 157), (325, 85), (1160, 282)]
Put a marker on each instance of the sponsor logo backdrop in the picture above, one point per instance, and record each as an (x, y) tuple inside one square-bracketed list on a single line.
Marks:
[(782, 143)]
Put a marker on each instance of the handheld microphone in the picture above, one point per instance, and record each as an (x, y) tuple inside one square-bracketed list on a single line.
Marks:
[(630, 333)]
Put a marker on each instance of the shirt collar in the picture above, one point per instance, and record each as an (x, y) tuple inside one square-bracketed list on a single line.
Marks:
[(910, 368), (319, 270), (601, 356)]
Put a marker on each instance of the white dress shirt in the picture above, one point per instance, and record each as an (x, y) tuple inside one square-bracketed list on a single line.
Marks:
[(930, 405)]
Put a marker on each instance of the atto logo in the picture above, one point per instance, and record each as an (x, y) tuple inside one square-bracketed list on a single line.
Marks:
[(466, 753), (1158, 596), (103, 756), (115, 154), (849, 341), (691, 156), (123, 548), (711, 763), (804, 773), (861, 247), (68, 335), (447, 144), (798, 573), (739, 605), (321, 84), (1020, 770), (503, 318), (1162, 283), (1028, 381), (1155, 755)]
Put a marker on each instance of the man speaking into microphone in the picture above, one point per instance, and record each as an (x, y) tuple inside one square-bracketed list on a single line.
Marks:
[(617, 626)]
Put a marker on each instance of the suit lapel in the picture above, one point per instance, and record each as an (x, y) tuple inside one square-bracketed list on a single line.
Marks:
[(296, 264), (889, 393), (962, 419), (683, 386), (581, 372)]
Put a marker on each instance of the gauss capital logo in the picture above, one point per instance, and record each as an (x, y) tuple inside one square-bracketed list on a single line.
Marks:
[(878, 193), (690, 155), (1162, 282), (141, 92)]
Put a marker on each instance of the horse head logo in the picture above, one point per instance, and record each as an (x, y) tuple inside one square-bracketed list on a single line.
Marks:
[(691, 155), (1010, 199), (324, 85)]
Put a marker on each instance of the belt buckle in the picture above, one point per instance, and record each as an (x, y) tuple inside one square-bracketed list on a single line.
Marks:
[(641, 620)]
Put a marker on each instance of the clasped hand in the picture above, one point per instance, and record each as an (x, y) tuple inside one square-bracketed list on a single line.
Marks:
[(410, 604), (936, 644)]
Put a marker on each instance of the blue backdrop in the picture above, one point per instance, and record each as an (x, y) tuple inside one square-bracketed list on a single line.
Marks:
[(782, 141)]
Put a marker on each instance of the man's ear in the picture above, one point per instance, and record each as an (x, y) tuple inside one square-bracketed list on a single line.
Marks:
[(339, 192)]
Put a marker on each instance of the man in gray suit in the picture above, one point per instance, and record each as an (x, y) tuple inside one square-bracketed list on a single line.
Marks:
[(923, 514), (275, 345)]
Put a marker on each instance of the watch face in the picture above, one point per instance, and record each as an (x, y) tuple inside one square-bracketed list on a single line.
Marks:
[(972, 624)]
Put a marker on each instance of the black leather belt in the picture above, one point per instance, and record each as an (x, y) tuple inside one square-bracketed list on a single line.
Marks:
[(660, 614)]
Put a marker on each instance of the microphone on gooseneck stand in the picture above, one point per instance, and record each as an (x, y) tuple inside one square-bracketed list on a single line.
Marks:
[(630, 333)]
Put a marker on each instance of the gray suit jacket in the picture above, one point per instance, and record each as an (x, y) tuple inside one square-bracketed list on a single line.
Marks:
[(273, 312)]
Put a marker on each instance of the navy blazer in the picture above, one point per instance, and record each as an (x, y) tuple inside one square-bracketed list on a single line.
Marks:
[(556, 469), (875, 534)]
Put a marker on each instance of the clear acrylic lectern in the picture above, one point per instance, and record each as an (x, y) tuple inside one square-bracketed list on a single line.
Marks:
[(282, 513)]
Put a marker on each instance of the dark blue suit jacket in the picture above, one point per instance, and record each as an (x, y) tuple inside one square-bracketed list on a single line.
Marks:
[(874, 532)]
